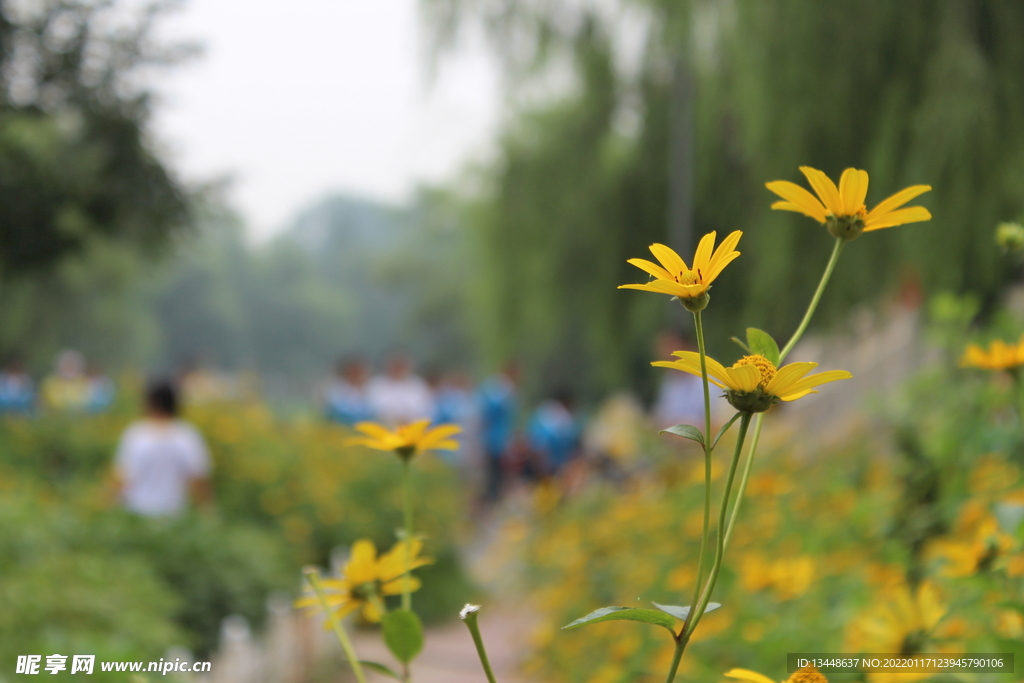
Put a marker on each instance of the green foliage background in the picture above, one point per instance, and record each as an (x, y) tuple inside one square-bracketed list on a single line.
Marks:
[(914, 92)]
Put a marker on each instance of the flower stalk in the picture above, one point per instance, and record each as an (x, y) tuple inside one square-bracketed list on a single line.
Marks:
[(313, 578), (407, 515), (698, 609), (469, 617), (699, 326)]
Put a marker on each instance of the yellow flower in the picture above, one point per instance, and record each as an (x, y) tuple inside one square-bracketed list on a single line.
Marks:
[(899, 622), (753, 383), (842, 209), (407, 440), (675, 278), (1000, 355), (806, 674), (366, 578)]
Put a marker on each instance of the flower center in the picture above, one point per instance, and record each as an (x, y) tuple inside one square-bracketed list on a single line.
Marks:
[(807, 674), (763, 365), (688, 277)]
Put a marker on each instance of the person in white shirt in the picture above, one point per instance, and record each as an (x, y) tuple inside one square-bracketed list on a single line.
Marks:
[(400, 397), (161, 459)]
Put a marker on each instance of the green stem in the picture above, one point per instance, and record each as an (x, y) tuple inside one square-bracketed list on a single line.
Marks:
[(681, 641), (313, 577), (469, 616), (698, 324), (814, 300), (751, 452), (697, 612), (407, 510)]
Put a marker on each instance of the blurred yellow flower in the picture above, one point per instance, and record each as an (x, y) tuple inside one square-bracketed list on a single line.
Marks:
[(676, 278), (975, 546), (407, 440), (753, 383), (1000, 355), (842, 208), (788, 577), (899, 621), (806, 674), (366, 578)]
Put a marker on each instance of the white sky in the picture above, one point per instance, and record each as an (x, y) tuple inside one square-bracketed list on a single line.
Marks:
[(295, 99)]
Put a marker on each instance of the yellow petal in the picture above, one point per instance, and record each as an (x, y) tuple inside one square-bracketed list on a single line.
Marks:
[(362, 565), (702, 259), (897, 200), (344, 610), (395, 587), (724, 255), (371, 613), (673, 263), (853, 188), (826, 189), (439, 435), (797, 199), (748, 675), (813, 381), (652, 268), (744, 378), (787, 375), (659, 287), (692, 358), (693, 370), (912, 214)]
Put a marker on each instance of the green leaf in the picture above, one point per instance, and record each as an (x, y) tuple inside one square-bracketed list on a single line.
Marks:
[(687, 432), (741, 344), (403, 634), (762, 343), (724, 429), (646, 616), (381, 669), (681, 613)]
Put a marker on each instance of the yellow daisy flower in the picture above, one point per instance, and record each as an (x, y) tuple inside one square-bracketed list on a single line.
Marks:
[(842, 208), (689, 284), (806, 674), (753, 383), (1000, 355), (407, 440), (899, 622), (366, 578)]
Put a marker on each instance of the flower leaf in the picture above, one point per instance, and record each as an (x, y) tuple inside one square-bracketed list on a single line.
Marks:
[(762, 343), (724, 429), (687, 432), (403, 634), (646, 616), (381, 669), (741, 344), (681, 613)]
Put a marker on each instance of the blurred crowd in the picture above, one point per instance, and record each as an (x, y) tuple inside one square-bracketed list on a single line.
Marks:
[(504, 441), (74, 385)]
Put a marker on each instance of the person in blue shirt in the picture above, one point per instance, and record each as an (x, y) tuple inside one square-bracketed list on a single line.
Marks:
[(498, 406), (554, 434), (17, 392), (345, 398)]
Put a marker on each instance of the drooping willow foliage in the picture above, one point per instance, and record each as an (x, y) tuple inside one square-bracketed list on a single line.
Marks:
[(923, 91)]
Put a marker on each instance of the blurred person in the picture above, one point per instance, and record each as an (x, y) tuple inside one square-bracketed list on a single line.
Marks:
[(554, 433), (68, 387), (680, 397), (17, 391), (498, 401), (101, 390), (345, 398), (399, 396), (161, 459), (453, 404)]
